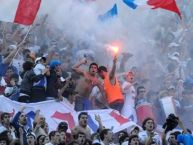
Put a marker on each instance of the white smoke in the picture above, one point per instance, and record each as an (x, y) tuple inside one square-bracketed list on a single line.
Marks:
[(79, 21)]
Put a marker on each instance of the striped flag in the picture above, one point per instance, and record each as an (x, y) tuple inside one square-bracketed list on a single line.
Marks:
[(19, 11), (169, 5), (60, 111), (110, 118)]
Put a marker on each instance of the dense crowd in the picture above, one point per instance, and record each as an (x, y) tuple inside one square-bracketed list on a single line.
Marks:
[(42, 64)]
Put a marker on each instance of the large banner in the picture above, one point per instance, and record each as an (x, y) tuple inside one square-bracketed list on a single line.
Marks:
[(55, 112)]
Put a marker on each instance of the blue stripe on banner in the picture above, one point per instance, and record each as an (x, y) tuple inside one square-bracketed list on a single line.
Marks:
[(30, 115), (130, 3), (92, 124)]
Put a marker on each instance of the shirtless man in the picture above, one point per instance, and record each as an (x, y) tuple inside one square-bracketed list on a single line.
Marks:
[(82, 126), (86, 84)]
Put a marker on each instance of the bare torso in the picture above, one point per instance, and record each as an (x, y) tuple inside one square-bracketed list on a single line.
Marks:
[(86, 84)]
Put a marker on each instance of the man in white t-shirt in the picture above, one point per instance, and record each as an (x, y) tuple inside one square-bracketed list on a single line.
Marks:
[(149, 135), (128, 109)]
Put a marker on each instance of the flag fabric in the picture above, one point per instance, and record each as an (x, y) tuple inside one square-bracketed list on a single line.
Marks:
[(169, 5), (19, 11), (109, 14), (131, 3), (111, 119), (87, 0), (56, 112)]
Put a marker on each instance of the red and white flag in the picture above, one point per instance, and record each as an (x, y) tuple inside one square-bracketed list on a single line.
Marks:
[(19, 11), (169, 5), (61, 111)]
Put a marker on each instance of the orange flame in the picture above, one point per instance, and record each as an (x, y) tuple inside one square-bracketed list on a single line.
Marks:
[(115, 49)]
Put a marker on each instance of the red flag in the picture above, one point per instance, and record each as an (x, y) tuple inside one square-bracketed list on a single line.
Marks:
[(165, 4), (26, 11)]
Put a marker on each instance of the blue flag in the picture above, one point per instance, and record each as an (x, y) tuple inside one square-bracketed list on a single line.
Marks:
[(130, 3), (109, 14)]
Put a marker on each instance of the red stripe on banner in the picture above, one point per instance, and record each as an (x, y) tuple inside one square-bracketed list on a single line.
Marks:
[(118, 117), (65, 117), (26, 11)]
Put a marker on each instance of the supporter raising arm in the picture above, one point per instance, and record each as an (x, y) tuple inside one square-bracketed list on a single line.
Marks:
[(38, 124), (98, 119), (112, 87), (20, 121), (112, 73), (86, 84), (77, 68)]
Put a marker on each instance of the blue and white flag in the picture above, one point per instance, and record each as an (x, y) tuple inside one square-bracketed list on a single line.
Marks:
[(56, 112)]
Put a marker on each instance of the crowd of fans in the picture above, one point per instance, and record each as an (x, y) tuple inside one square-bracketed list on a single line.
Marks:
[(44, 65), (18, 132)]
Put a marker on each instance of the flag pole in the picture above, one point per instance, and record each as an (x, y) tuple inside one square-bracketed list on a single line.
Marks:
[(3, 33), (18, 45)]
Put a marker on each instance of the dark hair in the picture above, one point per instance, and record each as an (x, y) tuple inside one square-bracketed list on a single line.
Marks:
[(103, 133), (102, 68), (122, 138), (43, 58), (145, 121), (77, 134), (124, 132), (28, 65), (62, 126), (52, 133), (4, 114), (38, 138), (176, 133), (82, 113), (139, 88), (132, 136), (93, 64)]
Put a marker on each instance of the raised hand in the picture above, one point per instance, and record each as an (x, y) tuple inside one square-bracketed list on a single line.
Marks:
[(97, 118)]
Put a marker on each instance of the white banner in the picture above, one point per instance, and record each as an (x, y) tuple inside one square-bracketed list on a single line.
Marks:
[(55, 112)]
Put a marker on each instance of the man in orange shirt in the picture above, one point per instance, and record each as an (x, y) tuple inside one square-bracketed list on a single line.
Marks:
[(112, 88)]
